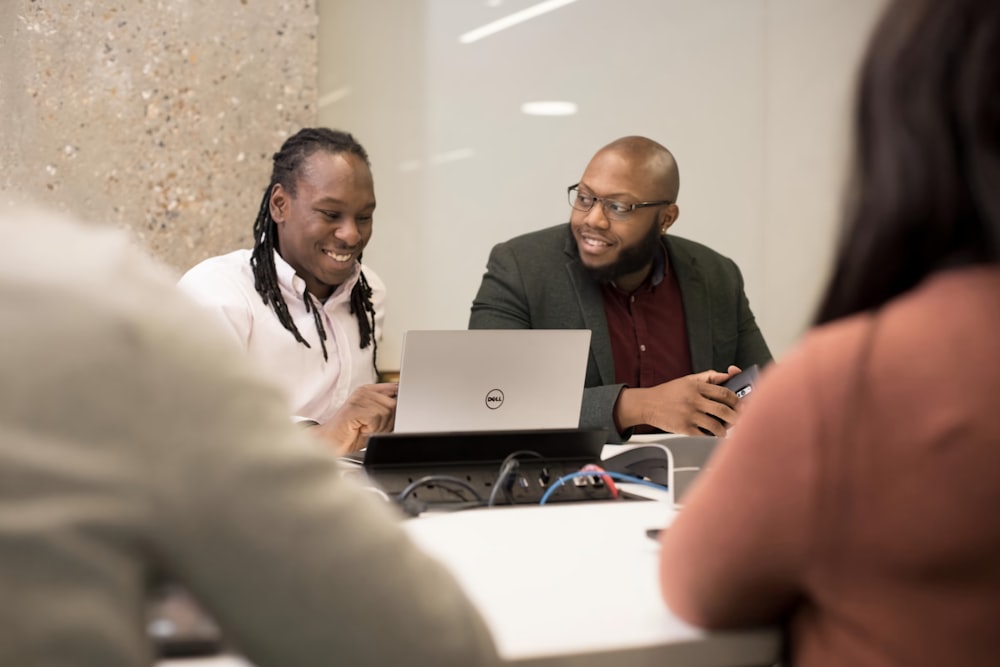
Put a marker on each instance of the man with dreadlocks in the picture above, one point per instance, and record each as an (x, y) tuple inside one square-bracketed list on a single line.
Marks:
[(299, 303)]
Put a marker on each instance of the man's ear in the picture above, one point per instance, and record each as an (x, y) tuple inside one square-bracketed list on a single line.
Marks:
[(279, 203), (669, 217)]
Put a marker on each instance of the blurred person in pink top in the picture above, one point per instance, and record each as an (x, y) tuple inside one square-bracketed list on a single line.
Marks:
[(856, 503)]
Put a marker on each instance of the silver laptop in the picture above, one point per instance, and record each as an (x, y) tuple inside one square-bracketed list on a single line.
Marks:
[(491, 380)]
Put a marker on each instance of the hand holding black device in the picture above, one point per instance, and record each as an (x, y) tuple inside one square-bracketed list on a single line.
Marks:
[(740, 384)]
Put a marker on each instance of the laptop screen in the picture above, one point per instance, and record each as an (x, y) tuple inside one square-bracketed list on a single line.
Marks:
[(491, 379)]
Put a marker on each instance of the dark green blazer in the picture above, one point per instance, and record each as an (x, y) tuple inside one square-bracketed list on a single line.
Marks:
[(536, 281)]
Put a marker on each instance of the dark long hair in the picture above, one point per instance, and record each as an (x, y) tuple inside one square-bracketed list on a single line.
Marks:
[(285, 171), (926, 186)]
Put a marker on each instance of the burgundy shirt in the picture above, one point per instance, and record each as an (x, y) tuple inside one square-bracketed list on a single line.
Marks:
[(649, 340)]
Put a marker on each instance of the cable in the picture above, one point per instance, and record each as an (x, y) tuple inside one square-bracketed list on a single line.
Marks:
[(442, 480), (506, 470), (613, 475), (509, 466), (608, 481)]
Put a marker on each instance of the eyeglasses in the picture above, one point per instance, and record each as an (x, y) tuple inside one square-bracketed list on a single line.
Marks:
[(613, 210)]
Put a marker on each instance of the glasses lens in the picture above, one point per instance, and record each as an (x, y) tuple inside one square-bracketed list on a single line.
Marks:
[(616, 210), (580, 201)]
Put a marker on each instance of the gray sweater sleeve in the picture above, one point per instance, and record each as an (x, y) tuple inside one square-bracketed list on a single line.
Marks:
[(299, 564)]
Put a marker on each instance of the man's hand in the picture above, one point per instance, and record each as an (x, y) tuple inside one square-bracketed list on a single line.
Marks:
[(690, 405), (371, 408)]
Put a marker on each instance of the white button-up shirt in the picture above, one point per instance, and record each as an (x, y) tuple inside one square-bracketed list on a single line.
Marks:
[(316, 388)]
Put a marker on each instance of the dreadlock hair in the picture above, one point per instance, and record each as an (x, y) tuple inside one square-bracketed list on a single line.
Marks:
[(285, 171)]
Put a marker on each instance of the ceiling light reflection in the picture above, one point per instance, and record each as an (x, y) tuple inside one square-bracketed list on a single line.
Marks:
[(512, 20), (549, 108)]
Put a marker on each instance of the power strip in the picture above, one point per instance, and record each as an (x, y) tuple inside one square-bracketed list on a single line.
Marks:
[(397, 463)]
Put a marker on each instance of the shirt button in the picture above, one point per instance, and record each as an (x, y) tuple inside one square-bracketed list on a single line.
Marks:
[(631, 299), (642, 348)]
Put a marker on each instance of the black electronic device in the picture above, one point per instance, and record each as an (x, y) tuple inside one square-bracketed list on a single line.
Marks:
[(743, 382), (397, 462)]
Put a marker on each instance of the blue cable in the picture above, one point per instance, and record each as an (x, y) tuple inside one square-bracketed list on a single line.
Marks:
[(597, 473)]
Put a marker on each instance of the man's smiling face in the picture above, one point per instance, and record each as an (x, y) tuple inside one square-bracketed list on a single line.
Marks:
[(325, 224), (612, 250)]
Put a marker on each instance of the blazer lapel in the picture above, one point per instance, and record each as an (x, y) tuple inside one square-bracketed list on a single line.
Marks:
[(697, 311)]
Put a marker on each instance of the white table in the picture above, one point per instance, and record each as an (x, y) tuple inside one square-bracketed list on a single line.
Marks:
[(573, 584), (577, 583)]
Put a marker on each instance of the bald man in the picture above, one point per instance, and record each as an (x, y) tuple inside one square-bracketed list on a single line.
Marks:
[(669, 317)]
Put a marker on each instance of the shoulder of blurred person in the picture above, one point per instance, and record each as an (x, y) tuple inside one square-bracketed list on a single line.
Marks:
[(133, 444)]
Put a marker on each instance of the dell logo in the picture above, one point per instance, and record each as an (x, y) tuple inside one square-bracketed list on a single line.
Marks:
[(494, 399)]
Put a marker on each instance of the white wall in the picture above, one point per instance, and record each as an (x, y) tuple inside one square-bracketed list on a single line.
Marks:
[(752, 97)]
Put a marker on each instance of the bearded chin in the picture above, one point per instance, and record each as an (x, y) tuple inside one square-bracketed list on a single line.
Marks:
[(631, 259)]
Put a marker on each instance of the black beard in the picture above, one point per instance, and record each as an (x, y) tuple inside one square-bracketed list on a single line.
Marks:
[(631, 259)]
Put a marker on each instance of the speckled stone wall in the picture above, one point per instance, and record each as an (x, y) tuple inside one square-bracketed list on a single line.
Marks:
[(159, 116)]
